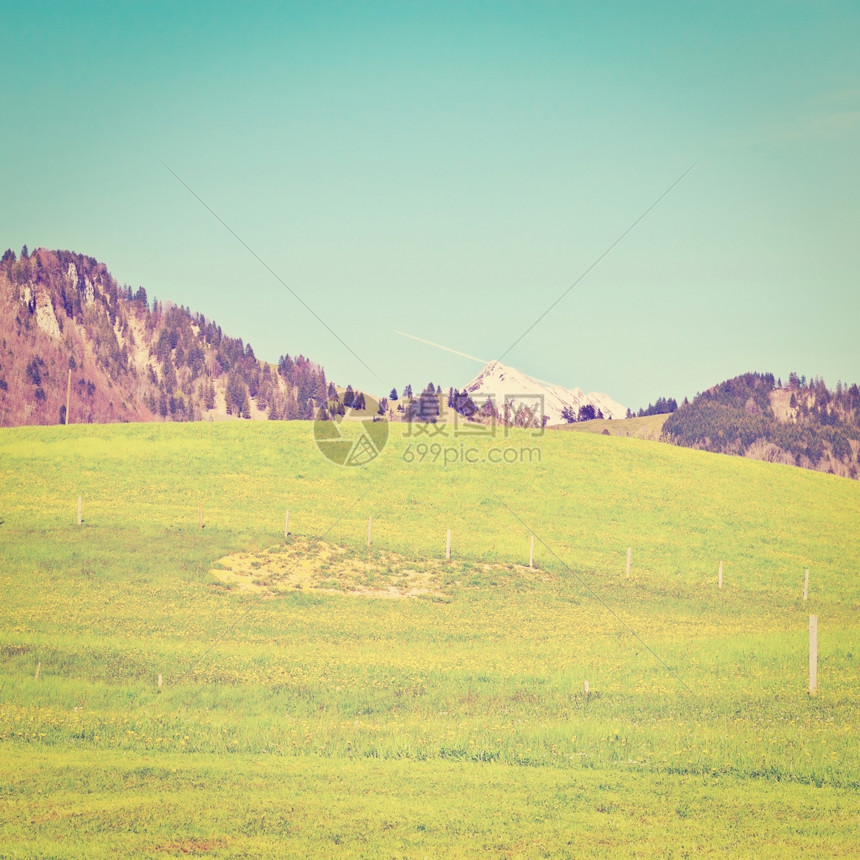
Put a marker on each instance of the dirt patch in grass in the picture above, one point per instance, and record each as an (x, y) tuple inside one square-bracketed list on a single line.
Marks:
[(318, 566), (194, 847)]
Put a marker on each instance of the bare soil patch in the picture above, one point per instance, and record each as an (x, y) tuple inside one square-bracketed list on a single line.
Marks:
[(318, 566)]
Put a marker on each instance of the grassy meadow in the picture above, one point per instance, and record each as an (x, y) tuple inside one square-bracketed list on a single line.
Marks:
[(323, 707), (646, 427)]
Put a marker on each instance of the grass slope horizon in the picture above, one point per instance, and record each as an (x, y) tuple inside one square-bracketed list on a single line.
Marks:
[(75, 338), (315, 723)]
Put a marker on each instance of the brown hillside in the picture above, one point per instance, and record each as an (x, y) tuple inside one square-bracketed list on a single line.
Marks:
[(62, 312)]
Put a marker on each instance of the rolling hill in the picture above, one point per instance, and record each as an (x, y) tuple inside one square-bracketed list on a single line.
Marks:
[(70, 331), (169, 690), (72, 334), (644, 427), (800, 424)]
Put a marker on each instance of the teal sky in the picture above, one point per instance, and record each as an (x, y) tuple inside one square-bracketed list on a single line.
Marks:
[(449, 170)]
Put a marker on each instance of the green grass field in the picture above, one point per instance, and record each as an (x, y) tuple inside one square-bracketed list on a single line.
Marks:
[(294, 721), (646, 427)]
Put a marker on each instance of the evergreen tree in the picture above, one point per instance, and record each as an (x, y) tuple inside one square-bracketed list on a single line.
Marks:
[(168, 379), (285, 367), (237, 395), (33, 375), (426, 408), (348, 397), (464, 404), (488, 410)]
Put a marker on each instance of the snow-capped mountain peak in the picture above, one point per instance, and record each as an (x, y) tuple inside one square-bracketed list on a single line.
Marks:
[(502, 384)]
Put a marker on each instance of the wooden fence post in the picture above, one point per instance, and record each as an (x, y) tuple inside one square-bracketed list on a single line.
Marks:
[(448, 546), (80, 520), (532, 552), (287, 524), (369, 531), (720, 577), (806, 584), (38, 669), (68, 394), (159, 680), (813, 655)]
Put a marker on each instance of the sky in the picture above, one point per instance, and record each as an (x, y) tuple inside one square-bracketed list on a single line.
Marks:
[(452, 170)]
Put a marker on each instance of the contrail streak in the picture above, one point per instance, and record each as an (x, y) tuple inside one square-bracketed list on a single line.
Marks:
[(546, 384), (439, 346)]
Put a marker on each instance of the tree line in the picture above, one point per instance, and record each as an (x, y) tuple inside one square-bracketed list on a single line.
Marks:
[(816, 427), (131, 358)]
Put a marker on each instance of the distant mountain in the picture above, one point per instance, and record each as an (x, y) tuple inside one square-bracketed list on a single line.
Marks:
[(801, 424), (499, 382), (129, 360)]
